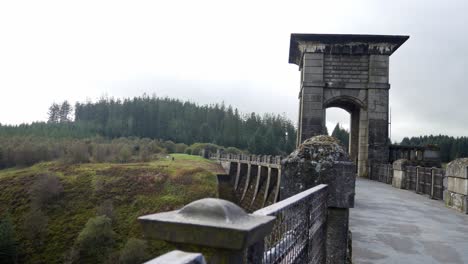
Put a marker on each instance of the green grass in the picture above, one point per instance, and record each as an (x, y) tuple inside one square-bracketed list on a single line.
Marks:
[(135, 188)]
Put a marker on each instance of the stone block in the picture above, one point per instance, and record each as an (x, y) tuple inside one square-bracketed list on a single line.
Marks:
[(378, 79), (458, 168), (179, 257), (401, 164), (456, 201), (313, 77), (315, 62), (316, 70), (399, 173), (313, 56), (457, 185), (399, 179)]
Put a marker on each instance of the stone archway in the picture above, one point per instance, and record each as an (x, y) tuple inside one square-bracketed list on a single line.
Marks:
[(349, 72), (354, 106)]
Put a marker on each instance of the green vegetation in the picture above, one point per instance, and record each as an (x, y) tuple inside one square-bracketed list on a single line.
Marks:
[(167, 120), (28, 150), (79, 207), (8, 244), (342, 135)]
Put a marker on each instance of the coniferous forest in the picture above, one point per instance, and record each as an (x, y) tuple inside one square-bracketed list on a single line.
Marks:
[(165, 119)]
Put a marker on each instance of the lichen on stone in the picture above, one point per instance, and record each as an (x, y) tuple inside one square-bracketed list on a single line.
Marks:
[(321, 151)]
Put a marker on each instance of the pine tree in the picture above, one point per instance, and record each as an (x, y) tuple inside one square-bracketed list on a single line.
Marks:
[(341, 134), (53, 113), (64, 112)]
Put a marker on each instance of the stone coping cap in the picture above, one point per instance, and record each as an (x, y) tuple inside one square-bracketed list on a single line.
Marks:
[(208, 222), (458, 168), (295, 53), (401, 164), (178, 257)]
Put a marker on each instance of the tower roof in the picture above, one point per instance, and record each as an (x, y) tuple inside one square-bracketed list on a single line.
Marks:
[(343, 44)]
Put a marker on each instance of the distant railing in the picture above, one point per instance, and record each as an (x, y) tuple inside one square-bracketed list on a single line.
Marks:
[(299, 232), (425, 180), (265, 159), (422, 180), (382, 173)]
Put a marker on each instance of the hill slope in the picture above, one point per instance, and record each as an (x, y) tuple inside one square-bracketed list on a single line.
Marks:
[(133, 190)]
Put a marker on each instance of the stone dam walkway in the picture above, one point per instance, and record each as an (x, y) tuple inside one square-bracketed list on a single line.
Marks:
[(390, 225)]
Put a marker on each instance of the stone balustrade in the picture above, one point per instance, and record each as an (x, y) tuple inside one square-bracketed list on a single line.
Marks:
[(450, 184)]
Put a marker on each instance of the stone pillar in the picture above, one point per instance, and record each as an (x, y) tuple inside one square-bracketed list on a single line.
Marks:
[(322, 160), (354, 136), (378, 98), (363, 165), (312, 114), (456, 195), (399, 173), (218, 229)]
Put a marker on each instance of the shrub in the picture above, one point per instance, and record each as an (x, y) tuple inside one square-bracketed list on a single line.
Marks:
[(233, 150), (35, 226), (125, 154), (145, 154), (134, 252), (180, 147), (77, 153), (101, 152), (94, 242), (196, 148), (106, 209), (44, 188), (169, 146)]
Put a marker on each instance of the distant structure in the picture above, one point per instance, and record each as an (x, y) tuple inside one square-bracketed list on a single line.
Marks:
[(349, 72)]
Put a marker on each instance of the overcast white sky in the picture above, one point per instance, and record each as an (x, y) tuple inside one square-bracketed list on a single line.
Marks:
[(231, 51)]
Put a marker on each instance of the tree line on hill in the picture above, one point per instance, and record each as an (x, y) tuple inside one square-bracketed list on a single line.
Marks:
[(165, 119)]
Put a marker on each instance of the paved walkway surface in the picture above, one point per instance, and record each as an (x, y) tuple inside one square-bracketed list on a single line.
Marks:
[(390, 225)]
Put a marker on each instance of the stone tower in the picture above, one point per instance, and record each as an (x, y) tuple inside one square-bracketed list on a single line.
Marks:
[(349, 72)]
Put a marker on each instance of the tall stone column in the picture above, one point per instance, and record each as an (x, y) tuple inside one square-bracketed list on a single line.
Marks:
[(363, 165), (354, 136), (378, 98), (312, 112)]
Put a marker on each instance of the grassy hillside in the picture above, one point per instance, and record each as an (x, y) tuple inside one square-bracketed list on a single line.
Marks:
[(134, 189)]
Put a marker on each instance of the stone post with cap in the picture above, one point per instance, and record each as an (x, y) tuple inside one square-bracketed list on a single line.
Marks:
[(219, 229), (323, 160), (456, 194)]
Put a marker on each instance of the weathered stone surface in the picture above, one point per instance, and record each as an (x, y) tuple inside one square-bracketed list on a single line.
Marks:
[(178, 257), (399, 173), (337, 235), (401, 164), (320, 160), (456, 201), (457, 185), (208, 222), (458, 168), (456, 195)]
